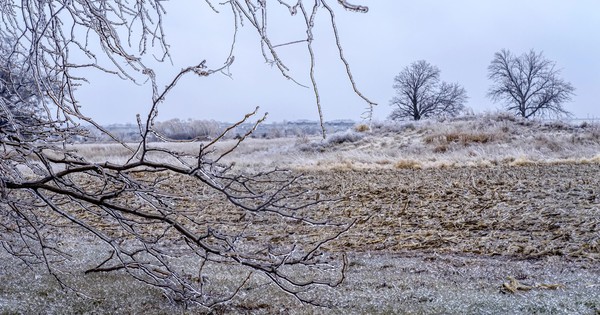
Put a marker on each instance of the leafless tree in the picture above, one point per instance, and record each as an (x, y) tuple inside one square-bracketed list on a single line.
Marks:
[(138, 209), (421, 94), (529, 84)]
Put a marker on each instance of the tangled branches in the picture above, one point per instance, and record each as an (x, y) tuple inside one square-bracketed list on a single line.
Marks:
[(160, 205), (138, 210)]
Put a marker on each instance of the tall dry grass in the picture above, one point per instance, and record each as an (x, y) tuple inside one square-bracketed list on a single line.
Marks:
[(488, 139)]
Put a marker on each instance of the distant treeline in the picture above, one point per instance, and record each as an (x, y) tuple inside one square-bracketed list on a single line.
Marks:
[(178, 129), (202, 130)]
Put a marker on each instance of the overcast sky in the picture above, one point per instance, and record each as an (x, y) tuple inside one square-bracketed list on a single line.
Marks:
[(460, 37)]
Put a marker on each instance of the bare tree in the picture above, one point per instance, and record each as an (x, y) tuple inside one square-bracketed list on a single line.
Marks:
[(148, 223), (420, 93), (529, 84)]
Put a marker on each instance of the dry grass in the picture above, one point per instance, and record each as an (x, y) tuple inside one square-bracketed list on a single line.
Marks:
[(463, 138), (477, 141), (407, 164), (362, 128)]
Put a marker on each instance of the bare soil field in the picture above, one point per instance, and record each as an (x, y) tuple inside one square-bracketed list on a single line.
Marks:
[(501, 239), (524, 212)]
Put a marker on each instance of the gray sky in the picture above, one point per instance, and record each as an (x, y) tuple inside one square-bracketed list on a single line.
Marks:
[(460, 37)]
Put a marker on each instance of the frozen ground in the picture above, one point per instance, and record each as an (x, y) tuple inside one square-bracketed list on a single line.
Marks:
[(489, 216), (376, 283)]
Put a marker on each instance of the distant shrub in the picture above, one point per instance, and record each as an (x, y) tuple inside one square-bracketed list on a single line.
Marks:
[(502, 116), (440, 148), (595, 132), (348, 136), (343, 137), (392, 126), (543, 142), (178, 129), (558, 126), (302, 140), (310, 146), (586, 124), (463, 138), (477, 138), (362, 128)]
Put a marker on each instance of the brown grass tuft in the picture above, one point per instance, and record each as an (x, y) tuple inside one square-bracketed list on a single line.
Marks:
[(408, 164), (362, 128)]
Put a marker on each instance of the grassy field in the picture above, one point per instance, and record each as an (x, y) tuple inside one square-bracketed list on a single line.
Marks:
[(492, 215)]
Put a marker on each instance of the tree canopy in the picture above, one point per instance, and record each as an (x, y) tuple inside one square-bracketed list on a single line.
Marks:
[(529, 85), (420, 93)]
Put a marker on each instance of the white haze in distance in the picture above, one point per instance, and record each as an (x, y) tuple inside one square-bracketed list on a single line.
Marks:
[(460, 37)]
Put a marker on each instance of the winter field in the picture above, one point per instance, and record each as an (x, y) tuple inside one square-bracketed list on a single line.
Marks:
[(480, 215)]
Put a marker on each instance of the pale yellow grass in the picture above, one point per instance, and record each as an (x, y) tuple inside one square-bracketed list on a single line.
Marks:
[(480, 141)]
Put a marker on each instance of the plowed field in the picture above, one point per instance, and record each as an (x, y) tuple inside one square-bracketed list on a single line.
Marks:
[(521, 211), (469, 240)]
